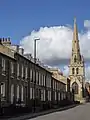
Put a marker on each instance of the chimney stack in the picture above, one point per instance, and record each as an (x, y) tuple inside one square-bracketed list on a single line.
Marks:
[(5, 41)]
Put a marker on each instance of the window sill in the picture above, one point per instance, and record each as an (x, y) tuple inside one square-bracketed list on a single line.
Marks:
[(18, 78), (3, 74), (12, 76)]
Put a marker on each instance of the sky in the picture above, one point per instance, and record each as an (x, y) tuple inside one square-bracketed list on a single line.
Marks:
[(52, 22), (19, 17)]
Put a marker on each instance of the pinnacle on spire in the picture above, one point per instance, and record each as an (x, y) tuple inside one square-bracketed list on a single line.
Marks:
[(74, 20), (75, 32)]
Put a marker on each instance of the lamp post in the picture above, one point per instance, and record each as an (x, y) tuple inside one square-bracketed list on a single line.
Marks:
[(35, 40)]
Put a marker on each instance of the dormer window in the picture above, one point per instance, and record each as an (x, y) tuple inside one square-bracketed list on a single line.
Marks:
[(3, 64)]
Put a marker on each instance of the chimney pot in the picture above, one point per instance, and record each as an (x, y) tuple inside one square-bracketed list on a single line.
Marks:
[(8, 38), (0, 40), (3, 39)]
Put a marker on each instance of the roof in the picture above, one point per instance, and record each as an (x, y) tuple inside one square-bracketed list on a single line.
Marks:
[(7, 51), (59, 80), (33, 62), (56, 73)]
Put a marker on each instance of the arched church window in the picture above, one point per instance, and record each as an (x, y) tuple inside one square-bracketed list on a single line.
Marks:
[(75, 58), (72, 70), (77, 70), (75, 88)]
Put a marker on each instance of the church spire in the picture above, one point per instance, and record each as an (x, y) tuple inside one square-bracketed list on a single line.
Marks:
[(75, 43), (75, 33), (76, 67)]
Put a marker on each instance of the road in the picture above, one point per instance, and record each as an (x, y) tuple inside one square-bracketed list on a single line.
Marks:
[(81, 112)]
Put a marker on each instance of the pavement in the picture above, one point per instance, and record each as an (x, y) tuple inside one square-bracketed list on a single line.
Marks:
[(35, 115), (81, 112)]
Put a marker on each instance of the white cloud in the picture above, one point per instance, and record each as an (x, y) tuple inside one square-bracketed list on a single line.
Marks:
[(87, 23), (66, 70), (56, 43), (87, 71)]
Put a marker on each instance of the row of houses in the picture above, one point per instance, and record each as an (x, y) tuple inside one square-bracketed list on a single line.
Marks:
[(22, 80)]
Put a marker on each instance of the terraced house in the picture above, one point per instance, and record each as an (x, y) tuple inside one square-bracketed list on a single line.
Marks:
[(22, 81)]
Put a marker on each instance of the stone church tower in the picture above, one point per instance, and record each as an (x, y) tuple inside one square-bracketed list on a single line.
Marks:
[(76, 67)]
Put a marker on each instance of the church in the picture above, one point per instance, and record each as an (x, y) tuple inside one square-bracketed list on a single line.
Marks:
[(77, 68)]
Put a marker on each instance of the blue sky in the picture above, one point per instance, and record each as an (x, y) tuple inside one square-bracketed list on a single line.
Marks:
[(19, 17)]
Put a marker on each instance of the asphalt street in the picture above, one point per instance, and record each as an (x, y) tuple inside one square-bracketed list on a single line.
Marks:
[(81, 112)]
